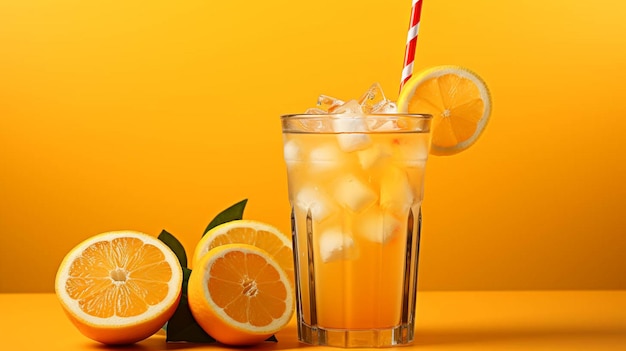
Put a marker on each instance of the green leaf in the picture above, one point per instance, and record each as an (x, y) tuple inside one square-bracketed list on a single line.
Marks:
[(232, 213), (186, 274), (183, 327), (173, 243)]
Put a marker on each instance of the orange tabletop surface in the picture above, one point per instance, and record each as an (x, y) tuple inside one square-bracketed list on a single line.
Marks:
[(460, 320)]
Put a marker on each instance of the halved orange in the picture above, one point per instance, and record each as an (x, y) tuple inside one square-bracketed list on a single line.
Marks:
[(119, 287), (240, 295), (259, 234), (458, 100)]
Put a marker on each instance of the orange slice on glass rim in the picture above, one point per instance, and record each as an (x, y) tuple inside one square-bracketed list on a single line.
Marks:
[(457, 98)]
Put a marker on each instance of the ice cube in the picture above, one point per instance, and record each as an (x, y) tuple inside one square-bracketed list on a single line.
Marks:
[(291, 150), (353, 142), (314, 122), (386, 107), (396, 193), (373, 99), (353, 193), (372, 155), (377, 226), (351, 127), (315, 111), (419, 150), (311, 198), (410, 149), (383, 123), (326, 157), (334, 245), (328, 103), (351, 108), (378, 124)]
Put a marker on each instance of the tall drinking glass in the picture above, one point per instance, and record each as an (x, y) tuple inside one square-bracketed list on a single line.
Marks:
[(355, 188)]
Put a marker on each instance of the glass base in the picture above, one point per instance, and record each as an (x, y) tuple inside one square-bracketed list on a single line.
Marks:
[(400, 335)]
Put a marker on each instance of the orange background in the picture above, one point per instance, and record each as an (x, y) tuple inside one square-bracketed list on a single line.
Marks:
[(151, 115)]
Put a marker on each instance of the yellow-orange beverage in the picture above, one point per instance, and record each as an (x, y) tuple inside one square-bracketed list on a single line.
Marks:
[(355, 188)]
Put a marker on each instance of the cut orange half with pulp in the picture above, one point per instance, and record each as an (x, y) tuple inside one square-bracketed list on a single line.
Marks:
[(458, 100), (259, 234), (239, 294), (119, 287)]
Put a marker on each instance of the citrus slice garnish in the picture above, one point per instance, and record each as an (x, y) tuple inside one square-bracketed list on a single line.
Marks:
[(119, 287), (239, 294), (259, 234), (458, 100)]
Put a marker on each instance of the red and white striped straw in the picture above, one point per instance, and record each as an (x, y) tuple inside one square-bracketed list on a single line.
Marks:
[(411, 41)]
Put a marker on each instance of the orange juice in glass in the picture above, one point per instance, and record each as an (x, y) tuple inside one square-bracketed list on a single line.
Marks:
[(355, 182)]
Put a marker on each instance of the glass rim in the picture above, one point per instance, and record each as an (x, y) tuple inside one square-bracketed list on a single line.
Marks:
[(343, 115)]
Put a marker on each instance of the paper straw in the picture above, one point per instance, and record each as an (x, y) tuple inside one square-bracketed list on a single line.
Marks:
[(411, 41)]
